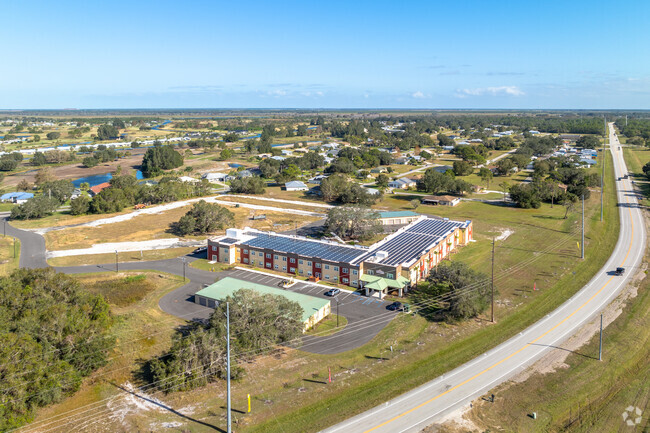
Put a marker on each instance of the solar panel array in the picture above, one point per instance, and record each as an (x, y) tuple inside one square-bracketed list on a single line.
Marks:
[(303, 247), (228, 241), (409, 244)]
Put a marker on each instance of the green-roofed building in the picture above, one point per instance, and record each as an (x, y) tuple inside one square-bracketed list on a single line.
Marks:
[(400, 217), (314, 309)]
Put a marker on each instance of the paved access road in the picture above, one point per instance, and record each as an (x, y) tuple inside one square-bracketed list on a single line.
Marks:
[(366, 316), (430, 402)]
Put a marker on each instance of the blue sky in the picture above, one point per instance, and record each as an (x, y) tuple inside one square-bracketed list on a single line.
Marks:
[(326, 54)]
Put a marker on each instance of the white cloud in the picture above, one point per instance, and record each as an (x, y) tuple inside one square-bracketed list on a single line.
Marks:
[(419, 95), (491, 91)]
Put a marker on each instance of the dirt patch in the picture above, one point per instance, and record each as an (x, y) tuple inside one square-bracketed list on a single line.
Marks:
[(504, 235)]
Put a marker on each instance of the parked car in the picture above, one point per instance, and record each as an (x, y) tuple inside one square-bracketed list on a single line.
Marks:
[(619, 271), (332, 292), (395, 306), (199, 250)]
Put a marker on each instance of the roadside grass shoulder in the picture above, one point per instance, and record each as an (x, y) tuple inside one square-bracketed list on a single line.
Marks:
[(8, 262), (636, 158), (587, 395), (328, 326), (124, 256)]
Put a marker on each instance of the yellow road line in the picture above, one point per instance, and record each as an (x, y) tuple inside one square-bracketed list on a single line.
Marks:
[(522, 348)]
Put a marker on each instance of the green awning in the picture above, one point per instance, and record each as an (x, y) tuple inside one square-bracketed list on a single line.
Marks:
[(379, 283)]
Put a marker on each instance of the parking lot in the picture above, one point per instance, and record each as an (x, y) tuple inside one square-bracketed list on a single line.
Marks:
[(366, 316)]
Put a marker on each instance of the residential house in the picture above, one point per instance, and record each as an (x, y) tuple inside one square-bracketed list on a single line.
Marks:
[(402, 183), (94, 190), (295, 185), (441, 200)]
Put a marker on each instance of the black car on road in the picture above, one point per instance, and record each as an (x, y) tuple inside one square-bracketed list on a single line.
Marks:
[(395, 306), (619, 271)]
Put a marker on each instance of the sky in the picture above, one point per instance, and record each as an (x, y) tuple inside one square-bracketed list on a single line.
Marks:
[(325, 54)]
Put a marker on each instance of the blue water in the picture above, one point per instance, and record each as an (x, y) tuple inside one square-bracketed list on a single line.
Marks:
[(100, 178), (234, 165), (162, 124)]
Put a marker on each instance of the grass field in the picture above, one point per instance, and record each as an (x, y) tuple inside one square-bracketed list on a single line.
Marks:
[(587, 395), (8, 262), (125, 256), (328, 326)]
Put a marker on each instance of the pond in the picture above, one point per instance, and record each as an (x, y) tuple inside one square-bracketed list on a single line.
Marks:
[(234, 165), (100, 178)]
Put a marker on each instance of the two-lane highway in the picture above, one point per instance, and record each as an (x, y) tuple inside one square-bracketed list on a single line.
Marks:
[(430, 402)]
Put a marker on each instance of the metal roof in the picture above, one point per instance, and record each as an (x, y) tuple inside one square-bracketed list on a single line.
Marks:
[(227, 286), (304, 247), (397, 214)]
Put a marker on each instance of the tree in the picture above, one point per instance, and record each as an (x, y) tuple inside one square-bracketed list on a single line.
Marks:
[(248, 185), (107, 132), (54, 333), (225, 154), (119, 123), (36, 138), (204, 218), (382, 180), (258, 323), (23, 185), (526, 196), (36, 207), (90, 162), (80, 205), (486, 175), (53, 135), (434, 182), (505, 186), (43, 175), (588, 142), (8, 164), (231, 137), (504, 167), (646, 170), (463, 168), (160, 158), (444, 140), (353, 222), (415, 203), (464, 291), (569, 204), (58, 189), (39, 159)]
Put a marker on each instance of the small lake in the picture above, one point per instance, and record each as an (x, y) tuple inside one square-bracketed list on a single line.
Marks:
[(100, 178), (234, 165)]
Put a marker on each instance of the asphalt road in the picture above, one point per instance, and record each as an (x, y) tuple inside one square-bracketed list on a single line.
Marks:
[(430, 402)]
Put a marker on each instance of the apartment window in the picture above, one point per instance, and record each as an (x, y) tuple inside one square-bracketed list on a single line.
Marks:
[(284, 259), (300, 271), (354, 282), (214, 248), (245, 260), (327, 277), (268, 256), (277, 267), (355, 272), (318, 265), (370, 272), (389, 275), (308, 263), (345, 270), (336, 279), (284, 268), (327, 266), (345, 280), (292, 260), (309, 273), (276, 257), (300, 262), (226, 250), (292, 270), (336, 268), (245, 251), (268, 265)]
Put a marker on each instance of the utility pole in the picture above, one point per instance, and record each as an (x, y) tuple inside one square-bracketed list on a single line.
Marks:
[(582, 245), (14, 248), (183, 259), (492, 280), (600, 346), (4, 227), (602, 176), (337, 312), (229, 418), (117, 266)]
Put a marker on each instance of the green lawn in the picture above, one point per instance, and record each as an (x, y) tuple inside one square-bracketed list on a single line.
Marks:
[(9, 260), (636, 158), (328, 326)]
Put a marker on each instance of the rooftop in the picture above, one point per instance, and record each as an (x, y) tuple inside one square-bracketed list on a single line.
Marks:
[(397, 214), (227, 286)]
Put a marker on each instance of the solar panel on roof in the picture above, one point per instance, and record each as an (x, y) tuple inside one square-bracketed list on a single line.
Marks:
[(304, 247)]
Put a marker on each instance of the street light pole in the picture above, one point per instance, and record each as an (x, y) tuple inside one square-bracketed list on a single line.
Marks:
[(602, 176), (117, 267), (337, 312), (600, 346), (492, 310), (184, 279), (229, 418), (14, 248)]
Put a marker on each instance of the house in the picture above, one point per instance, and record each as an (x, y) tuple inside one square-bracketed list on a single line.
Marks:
[(94, 190), (313, 309), (316, 180), (188, 179), (75, 193), (402, 183), (214, 177), (443, 168), (442, 200), (372, 191), (16, 197), (295, 185), (588, 161), (378, 170), (403, 160)]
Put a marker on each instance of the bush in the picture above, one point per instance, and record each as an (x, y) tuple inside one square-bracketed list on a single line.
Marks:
[(36, 207), (248, 185), (203, 218), (160, 158)]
